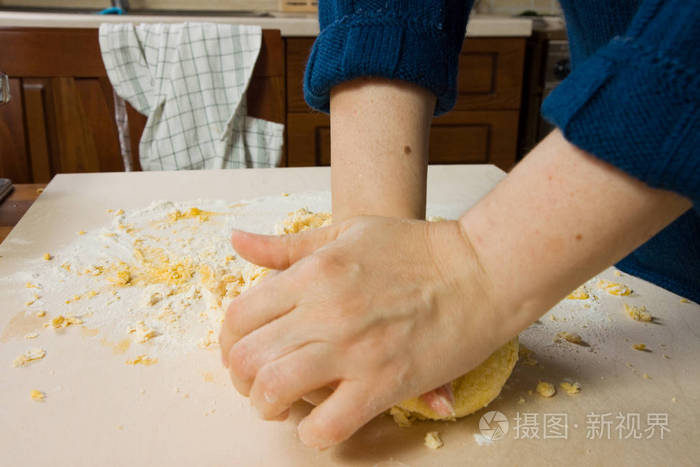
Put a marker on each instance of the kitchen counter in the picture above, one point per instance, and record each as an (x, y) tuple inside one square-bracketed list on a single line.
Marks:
[(99, 411), (289, 25)]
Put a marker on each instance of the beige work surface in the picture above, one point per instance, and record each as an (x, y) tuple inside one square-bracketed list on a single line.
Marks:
[(100, 411)]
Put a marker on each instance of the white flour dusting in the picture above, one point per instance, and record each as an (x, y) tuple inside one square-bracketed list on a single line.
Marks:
[(159, 276)]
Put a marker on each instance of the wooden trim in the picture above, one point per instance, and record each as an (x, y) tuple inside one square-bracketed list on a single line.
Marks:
[(54, 52), (37, 133)]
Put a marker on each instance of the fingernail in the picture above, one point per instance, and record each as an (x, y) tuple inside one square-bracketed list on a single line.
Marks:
[(313, 442)]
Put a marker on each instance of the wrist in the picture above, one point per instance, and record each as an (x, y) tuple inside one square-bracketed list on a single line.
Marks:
[(461, 268)]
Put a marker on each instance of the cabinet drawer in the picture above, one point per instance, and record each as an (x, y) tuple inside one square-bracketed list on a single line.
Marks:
[(490, 73), (465, 137)]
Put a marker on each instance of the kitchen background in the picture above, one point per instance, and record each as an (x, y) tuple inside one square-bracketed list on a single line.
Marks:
[(64, 118), (503, 7)]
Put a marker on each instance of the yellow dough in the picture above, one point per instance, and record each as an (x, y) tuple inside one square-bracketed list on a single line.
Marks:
[(472, 391)]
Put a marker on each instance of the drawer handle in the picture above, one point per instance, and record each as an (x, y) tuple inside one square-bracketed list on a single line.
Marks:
[(4, 88)]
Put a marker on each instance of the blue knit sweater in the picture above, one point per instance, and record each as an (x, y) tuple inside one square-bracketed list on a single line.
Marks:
[(633, 98)]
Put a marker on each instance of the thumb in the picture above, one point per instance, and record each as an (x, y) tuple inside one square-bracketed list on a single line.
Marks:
[(281, 251)]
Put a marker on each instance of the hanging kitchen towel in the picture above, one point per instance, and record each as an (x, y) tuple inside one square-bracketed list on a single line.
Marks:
[(190, 80)]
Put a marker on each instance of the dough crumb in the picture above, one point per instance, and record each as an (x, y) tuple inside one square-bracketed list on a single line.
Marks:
[(640, 347), (571, 337), (432, 440), (31, 335), (579, 294), (646, 376), (545, 389), (301, 220), (47, 257), (570, 388), (673, 399), (685, 300), (28, 357), (142, 360), (638, 313), (403, 418), (613, 288), (60, 321), (142, 333), (40, 314), (37, 395), (526, 356)]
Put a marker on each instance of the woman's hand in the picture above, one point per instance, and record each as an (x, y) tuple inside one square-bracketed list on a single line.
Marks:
[(382, 309)]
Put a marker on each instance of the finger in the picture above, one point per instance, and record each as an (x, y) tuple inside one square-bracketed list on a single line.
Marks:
[(242, 386), (256, 307), (282, 382), (281, 251), (335, 420), (441, 400), (267, 344)]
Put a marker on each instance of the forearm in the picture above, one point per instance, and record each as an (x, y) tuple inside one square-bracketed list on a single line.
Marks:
[(560, 217), (379, 148)]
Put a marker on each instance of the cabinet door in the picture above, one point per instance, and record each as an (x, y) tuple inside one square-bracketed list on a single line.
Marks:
[(464, 137), (65, 100)]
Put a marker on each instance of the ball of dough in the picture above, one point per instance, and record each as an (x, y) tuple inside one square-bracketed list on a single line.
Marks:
[(472, 391)]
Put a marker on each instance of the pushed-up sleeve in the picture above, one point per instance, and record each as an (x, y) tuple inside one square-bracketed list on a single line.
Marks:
[(417, 41), (635, 102)]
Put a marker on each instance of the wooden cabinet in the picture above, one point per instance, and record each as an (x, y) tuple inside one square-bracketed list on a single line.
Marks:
[(61, 116), (482, 127)]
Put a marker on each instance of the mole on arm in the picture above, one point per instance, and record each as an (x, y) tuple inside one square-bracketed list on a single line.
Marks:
[(579, 236), (407, 150)]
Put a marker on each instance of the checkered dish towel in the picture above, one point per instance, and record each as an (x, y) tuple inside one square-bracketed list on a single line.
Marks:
[(190, 80)]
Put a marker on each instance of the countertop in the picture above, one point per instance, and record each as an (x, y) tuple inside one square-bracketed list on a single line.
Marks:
[(99, 411), (289, 25)]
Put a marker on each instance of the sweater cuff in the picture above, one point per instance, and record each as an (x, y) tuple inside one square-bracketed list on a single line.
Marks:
[(393, 48), (636, 110)]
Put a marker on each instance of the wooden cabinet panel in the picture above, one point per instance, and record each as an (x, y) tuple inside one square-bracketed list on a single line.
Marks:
[(298, 50), (35, 91), (14, 162), (484, 137), (490, 74), (266, 90), (97, 102), (304, 139)]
